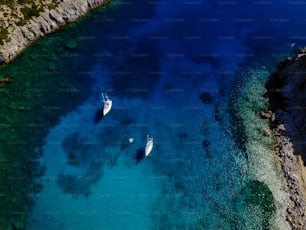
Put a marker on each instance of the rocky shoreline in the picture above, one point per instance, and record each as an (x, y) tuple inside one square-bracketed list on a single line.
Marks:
[(287, 98), (287, 116), (48, 21)]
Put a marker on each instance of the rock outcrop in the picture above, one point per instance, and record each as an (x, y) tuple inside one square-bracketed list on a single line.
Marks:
[(48, 21), (287, 96)]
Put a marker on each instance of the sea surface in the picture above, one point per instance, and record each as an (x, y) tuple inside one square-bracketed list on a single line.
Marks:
[(171, 69)]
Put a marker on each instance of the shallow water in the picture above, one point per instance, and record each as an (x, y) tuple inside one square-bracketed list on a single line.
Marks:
[(170, 68)]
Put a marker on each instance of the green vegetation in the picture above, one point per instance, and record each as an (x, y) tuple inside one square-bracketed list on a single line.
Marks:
[(25, 1), (29, 12), (14, 15), (21, 2), (6, 2), (22, 10), (52, 5), (4, 35)]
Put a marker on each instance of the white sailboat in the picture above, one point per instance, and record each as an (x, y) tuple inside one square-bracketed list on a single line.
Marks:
[(107, 104), (149, 145)]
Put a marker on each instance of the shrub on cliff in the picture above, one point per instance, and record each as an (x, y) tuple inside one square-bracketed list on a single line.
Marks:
[(6, 2), (29, 12), (4, 35)]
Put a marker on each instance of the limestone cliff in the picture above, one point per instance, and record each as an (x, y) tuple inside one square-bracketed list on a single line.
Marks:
[(47, 21)]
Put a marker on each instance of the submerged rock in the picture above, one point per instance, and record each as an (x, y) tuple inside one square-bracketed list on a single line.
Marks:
[(206, 98), (264, 115), (76, 150), (256, 193), (71, 45), (182, 135), (205, 144)]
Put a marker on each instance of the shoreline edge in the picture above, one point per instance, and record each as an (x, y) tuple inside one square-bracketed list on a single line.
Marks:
[(47, 22)]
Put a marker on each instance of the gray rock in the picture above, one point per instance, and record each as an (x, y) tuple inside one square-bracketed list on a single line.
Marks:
[(281, 127), (2, 60), (264, 115), (266, 133), (55, 16)]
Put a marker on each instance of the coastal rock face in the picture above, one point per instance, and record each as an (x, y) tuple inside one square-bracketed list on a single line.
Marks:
[(290, 83), (46, 22), (287, 96), (293, 172)]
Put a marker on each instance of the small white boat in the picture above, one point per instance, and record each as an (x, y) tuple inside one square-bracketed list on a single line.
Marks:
[(107, 104), (149, 145)]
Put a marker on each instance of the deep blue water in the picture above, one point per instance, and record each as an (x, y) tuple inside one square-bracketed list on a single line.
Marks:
[(168, 66)]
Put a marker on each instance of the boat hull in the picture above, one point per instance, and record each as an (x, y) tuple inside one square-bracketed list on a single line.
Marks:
[(107, 107), (149, 147)]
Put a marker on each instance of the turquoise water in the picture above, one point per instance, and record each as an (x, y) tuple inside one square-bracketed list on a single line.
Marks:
[(170, 69)]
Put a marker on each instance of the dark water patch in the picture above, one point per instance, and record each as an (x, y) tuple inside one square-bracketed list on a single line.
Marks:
[(205, 144), (274, 92), (269, 44), (182, 135), (171, 87), (77, 185), (223, 91), (128, 56), (206, 98), (71, 185), (209, 58), (99, 115), (179, 186), (140, 155), (125, 120), (76, 149), (89, 158), (135, 14), (205, 128), (218, 113), (130, 79), (124, 145)]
